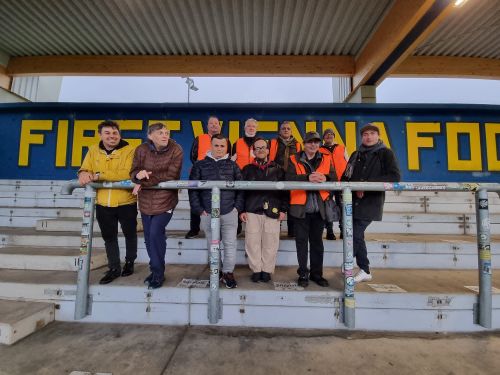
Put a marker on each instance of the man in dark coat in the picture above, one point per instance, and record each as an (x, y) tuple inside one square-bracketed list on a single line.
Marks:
[(372, 162), (217, 166)]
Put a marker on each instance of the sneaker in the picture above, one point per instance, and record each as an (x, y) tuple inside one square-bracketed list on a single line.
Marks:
[(148, 279), (362, 276), (192, 234), (229, 280), (330, 236), (110, 276), (265, 277), (303, 281), (128, 269), (155, 282), (255, 277), (320, 281)]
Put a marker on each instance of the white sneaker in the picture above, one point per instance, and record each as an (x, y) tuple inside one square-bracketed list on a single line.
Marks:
[(362, 276)]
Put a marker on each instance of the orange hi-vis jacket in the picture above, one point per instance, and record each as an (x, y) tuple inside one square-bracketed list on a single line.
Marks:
[(273, 149), (338, 159), (300, 196), (243, 153), (204, 145)]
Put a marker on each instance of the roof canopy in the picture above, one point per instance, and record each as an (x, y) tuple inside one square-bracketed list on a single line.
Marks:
[(367, 40)]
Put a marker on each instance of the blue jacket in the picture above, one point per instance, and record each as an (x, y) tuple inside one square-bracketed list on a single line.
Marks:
[(210, 169)]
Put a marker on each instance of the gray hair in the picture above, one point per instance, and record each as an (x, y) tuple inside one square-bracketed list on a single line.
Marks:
[(156, 126), (251, 120)]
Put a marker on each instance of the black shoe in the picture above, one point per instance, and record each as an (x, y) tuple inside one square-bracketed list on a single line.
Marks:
[(155, 282), (255, 277), (229, 280), (341, 236), (128, 269), (330, 236), (303, 281), (265, 277), (320, 281), (192, 234), (148, 279), (110, 276)]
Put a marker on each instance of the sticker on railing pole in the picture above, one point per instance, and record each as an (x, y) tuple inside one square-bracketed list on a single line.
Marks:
[(387, 288)]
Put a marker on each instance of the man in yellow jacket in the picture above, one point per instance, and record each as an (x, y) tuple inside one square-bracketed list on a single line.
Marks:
[(111, 160)]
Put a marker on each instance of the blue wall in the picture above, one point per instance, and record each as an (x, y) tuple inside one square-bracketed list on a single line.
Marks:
[(432, 142)]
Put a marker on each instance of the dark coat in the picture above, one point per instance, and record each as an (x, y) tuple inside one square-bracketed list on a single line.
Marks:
[(211, 170), (376, 166), (254, 199), (166, 165)]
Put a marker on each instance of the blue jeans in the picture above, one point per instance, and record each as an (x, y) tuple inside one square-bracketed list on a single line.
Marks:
[(359, 245), (156, 241)]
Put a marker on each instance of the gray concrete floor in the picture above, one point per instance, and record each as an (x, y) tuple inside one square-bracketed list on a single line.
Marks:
[(61, 348)]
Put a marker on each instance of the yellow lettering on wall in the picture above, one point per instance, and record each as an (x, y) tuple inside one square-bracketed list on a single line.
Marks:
[(234, 131), (415, 142), (295, 132), (80, 141), (267, 127), (27, 138), (350, 136), (62, 143), (197, 127), (492, 130), (331, 125), (132, 125), (310, 126), (453, 129), (383, 132)]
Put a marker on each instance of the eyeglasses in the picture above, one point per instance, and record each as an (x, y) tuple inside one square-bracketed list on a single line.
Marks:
[(260, 148)]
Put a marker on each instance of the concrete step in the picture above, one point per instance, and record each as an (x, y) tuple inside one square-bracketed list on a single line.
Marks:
[(414, 223), (396, 300), (385, 250), (19, 319), (47, 258)]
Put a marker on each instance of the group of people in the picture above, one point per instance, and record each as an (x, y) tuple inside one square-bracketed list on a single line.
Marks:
[(251, 158)]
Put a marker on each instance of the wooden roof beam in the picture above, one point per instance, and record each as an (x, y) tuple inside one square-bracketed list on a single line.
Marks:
[(449, 67), (404, 27), (182, 65)]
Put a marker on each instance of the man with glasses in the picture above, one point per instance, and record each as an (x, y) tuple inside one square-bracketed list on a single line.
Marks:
[(264, 210), (280, 150), (308, 207)]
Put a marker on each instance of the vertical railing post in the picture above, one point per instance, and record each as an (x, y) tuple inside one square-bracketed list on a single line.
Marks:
[(214, 303), (484, 258), (82, 286), (348, 261)]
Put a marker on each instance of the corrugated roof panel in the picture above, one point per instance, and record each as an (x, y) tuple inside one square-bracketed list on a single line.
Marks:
[(472, 30)]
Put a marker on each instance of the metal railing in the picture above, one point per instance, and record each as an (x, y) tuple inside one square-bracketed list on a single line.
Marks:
[(483, 308)]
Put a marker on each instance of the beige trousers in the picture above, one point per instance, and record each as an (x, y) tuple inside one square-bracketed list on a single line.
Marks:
[(262, 238)]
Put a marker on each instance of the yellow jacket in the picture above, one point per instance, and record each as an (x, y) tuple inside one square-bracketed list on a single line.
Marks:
[(113, 167)]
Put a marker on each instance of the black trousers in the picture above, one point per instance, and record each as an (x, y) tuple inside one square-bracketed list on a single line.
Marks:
[(309, 233), (108, 218), (359, 245), (194, 224)]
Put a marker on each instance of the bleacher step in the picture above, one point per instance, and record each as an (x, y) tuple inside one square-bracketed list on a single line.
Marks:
[(19, 319), (47, 258)]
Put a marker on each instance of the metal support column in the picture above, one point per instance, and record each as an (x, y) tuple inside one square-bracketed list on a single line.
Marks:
[(82, 286), (484, 258), (349, 301), (214, 302)]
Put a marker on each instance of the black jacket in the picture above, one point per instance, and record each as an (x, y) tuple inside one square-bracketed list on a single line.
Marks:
[(211, 170), (254, 199), (373, 166)]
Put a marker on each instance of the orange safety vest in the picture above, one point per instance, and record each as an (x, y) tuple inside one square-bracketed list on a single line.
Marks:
[(273, 149), (204, 145), (338, 159), (243, 154), (300, 196)]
